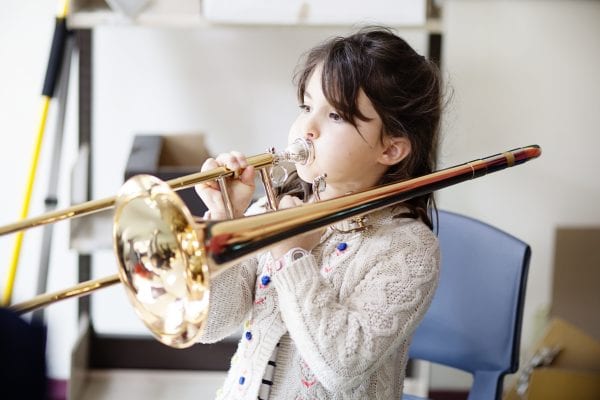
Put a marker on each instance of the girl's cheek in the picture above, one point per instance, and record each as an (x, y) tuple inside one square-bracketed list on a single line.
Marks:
[(294, 132)]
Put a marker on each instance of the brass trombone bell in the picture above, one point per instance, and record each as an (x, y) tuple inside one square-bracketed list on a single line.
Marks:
[(162, 262)]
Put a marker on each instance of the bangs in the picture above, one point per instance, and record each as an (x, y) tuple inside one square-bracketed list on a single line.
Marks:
[(339, 80)]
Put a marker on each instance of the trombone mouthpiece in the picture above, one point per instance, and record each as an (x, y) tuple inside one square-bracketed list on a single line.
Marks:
[(300, 151)]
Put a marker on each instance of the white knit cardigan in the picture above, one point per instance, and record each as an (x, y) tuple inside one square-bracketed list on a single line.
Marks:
[(343, 316)]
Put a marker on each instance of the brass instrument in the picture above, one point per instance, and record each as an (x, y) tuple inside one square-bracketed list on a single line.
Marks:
[(167, 257)]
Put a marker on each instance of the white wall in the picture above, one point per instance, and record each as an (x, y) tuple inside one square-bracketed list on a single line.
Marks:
[(525, 72), (522, 73)]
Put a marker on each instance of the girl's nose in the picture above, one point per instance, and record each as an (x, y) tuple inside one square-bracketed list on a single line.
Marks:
[(310, 132), (310, 127)]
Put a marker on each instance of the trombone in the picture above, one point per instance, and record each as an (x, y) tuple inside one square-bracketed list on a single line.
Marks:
[(167, 257)]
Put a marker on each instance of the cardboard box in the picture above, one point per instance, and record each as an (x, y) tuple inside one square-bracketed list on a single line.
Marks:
[(573, 373), (576, 281), (564, 384), (168, 157)]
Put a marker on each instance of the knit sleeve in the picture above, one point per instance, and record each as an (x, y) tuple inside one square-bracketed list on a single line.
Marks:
[(345, 341), (230, 300), (231, 293)]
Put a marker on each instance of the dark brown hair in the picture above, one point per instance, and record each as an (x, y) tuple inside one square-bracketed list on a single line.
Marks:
[(403, 86)]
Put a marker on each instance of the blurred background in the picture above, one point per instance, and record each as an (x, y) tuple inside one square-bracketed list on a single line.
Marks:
[(516, 72)]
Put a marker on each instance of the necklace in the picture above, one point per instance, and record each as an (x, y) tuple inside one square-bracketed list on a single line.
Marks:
[(318, 185), (358, 224)]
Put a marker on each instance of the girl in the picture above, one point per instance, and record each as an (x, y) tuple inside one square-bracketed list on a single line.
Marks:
[(330, 314)]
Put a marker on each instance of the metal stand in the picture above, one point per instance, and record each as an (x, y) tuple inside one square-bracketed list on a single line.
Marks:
[(84, 45)]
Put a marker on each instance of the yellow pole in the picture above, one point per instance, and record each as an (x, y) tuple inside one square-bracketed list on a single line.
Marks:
[(12, 270), (64, 9)]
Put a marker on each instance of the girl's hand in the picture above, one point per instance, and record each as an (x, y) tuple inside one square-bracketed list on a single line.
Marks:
[(306, 241), (240, 188)]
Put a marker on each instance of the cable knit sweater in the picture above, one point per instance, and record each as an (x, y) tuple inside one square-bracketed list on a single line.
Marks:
[(343, 315)]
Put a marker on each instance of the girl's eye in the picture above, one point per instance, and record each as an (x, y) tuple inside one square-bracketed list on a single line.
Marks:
[(304, 108), (336, 117)]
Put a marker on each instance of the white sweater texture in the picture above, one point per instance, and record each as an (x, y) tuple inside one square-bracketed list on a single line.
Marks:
[(344, 315)]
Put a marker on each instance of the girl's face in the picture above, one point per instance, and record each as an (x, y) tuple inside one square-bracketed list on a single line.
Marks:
[(351, 160)]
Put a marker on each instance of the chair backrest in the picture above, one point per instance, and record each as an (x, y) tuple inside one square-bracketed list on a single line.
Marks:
[(474, 322)]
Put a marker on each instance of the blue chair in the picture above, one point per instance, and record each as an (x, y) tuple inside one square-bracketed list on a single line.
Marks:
[(474, 322)]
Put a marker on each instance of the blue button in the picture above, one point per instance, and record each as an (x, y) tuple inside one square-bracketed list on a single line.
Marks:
[(248, 335), (242, 380), (265, 280), (342, 246)]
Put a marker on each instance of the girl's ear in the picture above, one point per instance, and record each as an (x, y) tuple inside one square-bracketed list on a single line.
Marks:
[(395, 150)]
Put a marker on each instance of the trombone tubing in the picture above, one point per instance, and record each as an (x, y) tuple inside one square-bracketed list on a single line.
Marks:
[(93, 206), (228, 241), (78, 290)]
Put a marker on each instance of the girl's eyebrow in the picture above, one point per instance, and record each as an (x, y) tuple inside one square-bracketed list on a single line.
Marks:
[(307, 94)]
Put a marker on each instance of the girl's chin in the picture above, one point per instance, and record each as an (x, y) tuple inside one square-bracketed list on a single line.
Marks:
[(305, 175)]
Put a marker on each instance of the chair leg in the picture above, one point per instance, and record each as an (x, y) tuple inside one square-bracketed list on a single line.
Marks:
[(487, 385)]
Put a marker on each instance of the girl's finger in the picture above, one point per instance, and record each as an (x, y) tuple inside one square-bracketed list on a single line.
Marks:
[(209, 163), (241, 159), (228, 160), (247, 177)]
